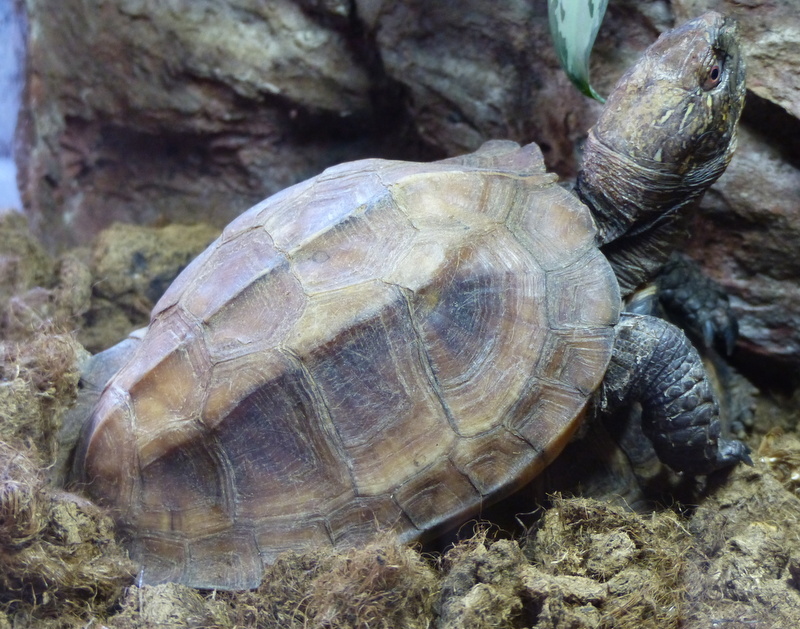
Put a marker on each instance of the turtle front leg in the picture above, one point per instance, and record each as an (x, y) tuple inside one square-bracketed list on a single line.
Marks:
[(655, 365), (698, 303)]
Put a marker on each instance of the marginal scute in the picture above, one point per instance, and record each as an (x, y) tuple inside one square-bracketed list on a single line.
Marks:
[(111, 430), (582, 294), (279, 534), (548, 415), (491, 460), (358, 520), (163, 558), (389, 345), (437, 489), (570, 357), (232, 561)]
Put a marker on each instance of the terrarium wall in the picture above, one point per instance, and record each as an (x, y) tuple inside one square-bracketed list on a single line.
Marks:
[(153, 112)]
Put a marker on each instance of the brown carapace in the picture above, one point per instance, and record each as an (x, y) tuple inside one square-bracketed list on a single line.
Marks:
[(389, 345)]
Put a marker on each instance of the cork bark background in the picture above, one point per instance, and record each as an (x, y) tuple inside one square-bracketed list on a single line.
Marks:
[(190, 111), (148, 124)]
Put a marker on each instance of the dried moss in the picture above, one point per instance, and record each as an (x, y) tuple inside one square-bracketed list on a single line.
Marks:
[(640, 559), (39, 381), (20, 499), (282, 598), (483, 584), (491, 584), (59, 562), (23, 261), (170, 605), (381, 585), (747, 538), (57, 550), (133, 265), (36, 292)]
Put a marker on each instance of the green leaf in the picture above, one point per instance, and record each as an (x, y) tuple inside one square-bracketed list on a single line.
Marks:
[(574, 25)]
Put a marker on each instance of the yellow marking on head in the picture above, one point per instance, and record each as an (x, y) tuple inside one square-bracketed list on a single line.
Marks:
[(687, 115)]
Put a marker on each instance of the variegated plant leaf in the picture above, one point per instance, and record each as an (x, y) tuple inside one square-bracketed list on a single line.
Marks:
[(574, 25)]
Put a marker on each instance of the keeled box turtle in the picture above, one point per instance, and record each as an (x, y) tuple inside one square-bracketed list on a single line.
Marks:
[(394, 344)]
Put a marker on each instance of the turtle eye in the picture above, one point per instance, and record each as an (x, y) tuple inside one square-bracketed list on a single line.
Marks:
[(713, 76)]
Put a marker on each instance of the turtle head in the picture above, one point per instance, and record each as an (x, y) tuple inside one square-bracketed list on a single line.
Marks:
[(668, 129)]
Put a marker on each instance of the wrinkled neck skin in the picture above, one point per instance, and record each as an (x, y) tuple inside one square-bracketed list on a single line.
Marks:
[(628, 197), (667, 132), (641, 213)]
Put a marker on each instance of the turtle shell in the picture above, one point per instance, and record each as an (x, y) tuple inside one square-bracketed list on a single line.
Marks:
[(389, 345)]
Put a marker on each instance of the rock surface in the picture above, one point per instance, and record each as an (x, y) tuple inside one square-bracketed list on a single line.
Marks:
[(236, 105), (744, 236), (748, 232), (182, 111), (138, 111), (770, 34)]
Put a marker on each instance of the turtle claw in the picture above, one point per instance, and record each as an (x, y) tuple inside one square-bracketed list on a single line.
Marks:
[(708, 333), (722, 454), (730, 333), (733, 451), (654, 364), (721, 330)]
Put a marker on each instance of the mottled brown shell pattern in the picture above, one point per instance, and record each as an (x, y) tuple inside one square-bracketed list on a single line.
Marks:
[(387, 345)]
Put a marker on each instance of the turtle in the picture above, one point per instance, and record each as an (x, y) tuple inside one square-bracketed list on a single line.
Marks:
[(393, 345)]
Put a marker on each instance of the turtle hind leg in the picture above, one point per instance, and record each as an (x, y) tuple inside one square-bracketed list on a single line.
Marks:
[(655, 364)]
